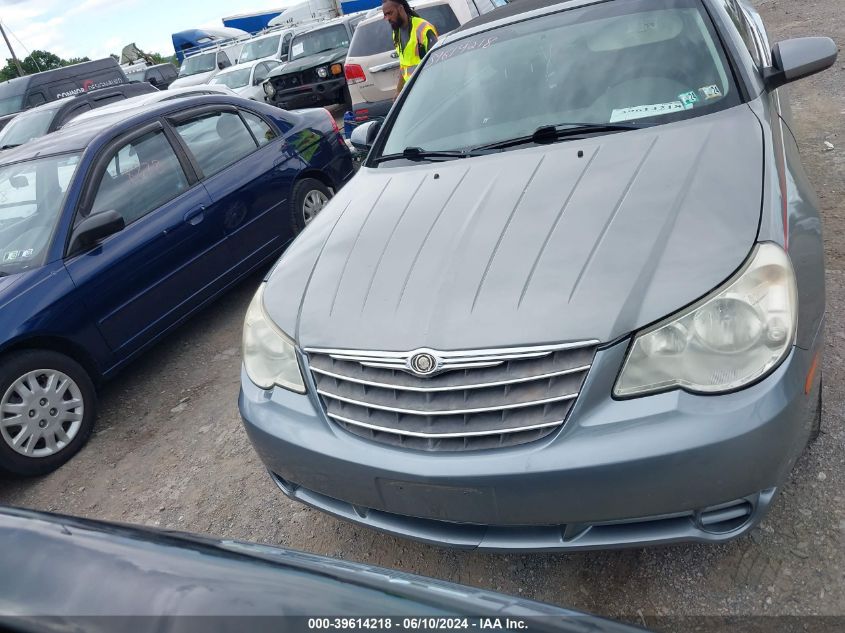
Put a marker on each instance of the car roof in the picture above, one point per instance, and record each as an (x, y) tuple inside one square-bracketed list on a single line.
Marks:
[(373, 15), (78, 137), (171, 94), (244, 66), (513, 11)]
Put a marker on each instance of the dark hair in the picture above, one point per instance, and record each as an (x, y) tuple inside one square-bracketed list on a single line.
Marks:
[(411, 13)]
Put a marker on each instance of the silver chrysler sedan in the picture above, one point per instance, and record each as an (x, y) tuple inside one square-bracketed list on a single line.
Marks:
[(573, 299)]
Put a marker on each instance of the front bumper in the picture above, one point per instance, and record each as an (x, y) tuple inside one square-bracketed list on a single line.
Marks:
[(324, 92), (369, 110), (659, 469)]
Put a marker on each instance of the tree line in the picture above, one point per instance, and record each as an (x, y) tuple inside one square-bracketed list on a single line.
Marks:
[(39, 61)]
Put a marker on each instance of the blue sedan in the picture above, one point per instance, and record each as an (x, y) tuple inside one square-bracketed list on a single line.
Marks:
[(114, 232)]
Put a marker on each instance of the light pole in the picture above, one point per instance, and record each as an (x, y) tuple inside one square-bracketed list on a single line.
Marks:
[(12, 51)]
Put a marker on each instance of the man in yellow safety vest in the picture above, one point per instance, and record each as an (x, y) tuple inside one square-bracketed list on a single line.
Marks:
[(413, 36)]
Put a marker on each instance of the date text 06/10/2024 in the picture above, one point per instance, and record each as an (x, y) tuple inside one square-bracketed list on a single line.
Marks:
[(417, 624)]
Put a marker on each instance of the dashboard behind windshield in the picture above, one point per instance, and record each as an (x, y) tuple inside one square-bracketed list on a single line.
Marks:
[(31, 198), (622, 61)]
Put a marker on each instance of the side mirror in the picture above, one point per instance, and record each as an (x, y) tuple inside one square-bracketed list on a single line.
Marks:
[(153, 81), (256, 81), (221, 65), (95, 228), (364, 135), (798, 58)]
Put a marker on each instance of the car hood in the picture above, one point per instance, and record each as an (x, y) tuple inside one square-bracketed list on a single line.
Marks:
[(311, 61), (193, 80), (531, 246)]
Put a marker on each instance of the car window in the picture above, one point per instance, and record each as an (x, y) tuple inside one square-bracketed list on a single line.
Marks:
[(35, 99), (744, 28), (262, 132), (261, 72), (8, 105), (25, 127), (649, 61), (141, 176), (371, 39), (256, 49), (286, 46), (233, 79), (198, 64), (319, 41), (31, 198), (375, 37), (441, 16), (206, 134)]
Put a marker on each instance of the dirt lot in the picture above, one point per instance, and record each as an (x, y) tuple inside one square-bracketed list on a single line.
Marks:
[(169, 451)]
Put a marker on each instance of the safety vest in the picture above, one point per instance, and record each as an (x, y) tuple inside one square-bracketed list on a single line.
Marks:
[(409, 56)]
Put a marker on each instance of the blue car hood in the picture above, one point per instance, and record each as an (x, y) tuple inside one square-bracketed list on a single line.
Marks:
[(580, 240)]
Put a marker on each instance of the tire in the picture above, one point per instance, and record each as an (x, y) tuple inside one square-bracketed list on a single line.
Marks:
[(306, 192), (816, 429), (19, 370)]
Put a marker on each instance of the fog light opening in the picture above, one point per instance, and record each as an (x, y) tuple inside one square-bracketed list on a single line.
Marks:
[(725, 517)]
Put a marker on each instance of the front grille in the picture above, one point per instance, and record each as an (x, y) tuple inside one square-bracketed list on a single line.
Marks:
[(293, 80), (475, 399)]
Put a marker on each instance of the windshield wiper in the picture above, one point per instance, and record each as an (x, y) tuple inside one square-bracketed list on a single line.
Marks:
[(10, 146), (419, 154), (552, 133)]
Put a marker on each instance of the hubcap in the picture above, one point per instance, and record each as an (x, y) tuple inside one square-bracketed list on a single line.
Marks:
[(41, 413), (313, 204)]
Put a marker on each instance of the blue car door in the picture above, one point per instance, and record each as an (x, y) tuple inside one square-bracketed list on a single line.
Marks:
[(145, 278), (249, 183)]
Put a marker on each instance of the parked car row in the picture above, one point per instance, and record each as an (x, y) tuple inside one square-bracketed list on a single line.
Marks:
[(116, 228)]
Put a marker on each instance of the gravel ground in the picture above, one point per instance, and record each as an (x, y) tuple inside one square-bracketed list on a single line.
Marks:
[(169, 451)]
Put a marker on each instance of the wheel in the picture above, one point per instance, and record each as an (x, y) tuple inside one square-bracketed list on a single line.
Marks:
[(308, 198), (816, 429), (47, 411)]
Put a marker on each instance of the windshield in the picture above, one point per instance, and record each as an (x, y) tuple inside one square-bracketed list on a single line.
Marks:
[(234, 79), (32, 194), (11, 104), (319, 41), (25, 127), (136, 75), (198, 64), (643, 61), (257, 49)]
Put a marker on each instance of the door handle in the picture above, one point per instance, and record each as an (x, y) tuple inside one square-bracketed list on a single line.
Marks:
[(195, 216), (383, 67)]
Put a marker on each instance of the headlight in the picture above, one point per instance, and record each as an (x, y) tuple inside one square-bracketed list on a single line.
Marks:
[(269, 355), (269, 90), (728, 340), (322, 72)]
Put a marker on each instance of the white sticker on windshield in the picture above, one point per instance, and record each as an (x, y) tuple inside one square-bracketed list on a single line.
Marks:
[(27, 253), (640, 112), (11, 256), (711, 92), (297, 48)]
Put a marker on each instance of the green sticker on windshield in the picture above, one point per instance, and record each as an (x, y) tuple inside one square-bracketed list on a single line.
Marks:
[(689, 99)]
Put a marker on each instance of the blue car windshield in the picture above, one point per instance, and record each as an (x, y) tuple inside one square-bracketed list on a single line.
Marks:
[(31, 198), (616, 63)]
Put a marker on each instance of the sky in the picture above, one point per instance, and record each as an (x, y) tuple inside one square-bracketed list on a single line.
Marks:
[(96, 28)]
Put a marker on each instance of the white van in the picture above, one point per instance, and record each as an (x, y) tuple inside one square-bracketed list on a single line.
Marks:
[(273, 44), (372, 67), (202, 66)]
